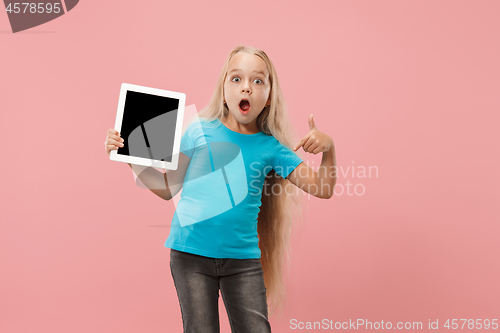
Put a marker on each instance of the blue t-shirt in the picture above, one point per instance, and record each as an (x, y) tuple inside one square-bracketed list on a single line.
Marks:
[(216, 215)]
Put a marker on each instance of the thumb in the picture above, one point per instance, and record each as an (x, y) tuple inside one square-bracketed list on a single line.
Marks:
[(311, 123)]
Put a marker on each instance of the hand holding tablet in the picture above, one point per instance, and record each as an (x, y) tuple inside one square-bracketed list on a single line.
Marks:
[(148, 127), (113, 141)]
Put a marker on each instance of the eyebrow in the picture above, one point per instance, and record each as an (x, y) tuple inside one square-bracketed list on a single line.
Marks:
[(258, 72)]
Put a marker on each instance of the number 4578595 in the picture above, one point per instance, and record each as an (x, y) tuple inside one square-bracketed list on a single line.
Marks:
[(33, 8), (471, 324)]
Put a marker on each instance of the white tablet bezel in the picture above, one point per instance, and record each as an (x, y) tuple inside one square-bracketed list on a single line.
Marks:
[(114, 156)]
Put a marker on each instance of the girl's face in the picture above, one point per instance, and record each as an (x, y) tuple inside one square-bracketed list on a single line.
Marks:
[(246, 87)]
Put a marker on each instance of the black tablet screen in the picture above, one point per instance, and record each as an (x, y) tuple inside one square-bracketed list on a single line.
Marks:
[(148, 126)]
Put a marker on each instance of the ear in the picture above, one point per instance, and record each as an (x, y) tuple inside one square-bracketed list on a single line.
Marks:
[(269, 98)]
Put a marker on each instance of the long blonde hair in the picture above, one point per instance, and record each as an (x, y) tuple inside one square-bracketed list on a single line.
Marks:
[(277, 209)]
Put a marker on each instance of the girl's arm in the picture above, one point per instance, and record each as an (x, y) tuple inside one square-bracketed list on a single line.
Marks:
[(165, 185), (321, 183)]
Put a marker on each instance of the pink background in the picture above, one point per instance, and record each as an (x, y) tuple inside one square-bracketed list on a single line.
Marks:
[(408, 87)]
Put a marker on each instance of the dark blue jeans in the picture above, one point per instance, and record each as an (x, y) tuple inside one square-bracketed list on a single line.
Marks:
[(198, 279)]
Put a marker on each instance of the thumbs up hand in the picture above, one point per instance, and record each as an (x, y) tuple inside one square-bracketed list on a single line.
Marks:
[(315, 141)]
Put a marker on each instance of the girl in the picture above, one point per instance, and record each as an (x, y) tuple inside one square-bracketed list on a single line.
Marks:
[(238, 249)]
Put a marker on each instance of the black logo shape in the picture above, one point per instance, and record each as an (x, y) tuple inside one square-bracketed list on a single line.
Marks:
[(26, 15)]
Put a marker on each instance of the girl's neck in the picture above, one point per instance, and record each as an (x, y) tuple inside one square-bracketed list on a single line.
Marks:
[(234, 125)]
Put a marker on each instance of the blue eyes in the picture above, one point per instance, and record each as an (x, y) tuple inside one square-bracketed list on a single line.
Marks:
[(237, 79)]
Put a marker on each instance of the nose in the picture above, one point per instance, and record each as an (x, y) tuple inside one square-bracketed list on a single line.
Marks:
[(246, 88)]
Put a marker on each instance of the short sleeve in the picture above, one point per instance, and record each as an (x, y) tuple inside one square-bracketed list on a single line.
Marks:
[(285, 160), (189, 139)]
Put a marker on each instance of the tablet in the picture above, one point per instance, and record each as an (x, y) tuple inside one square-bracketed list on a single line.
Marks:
[(150, 122)]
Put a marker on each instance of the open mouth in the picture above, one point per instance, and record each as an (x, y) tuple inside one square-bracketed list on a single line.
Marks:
[(244, 106)]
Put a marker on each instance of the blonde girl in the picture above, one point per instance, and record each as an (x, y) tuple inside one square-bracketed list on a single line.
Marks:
[(234, 237)]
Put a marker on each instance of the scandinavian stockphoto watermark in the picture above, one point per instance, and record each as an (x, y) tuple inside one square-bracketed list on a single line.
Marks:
[(26, 15), (343, 185), (216, 172)]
